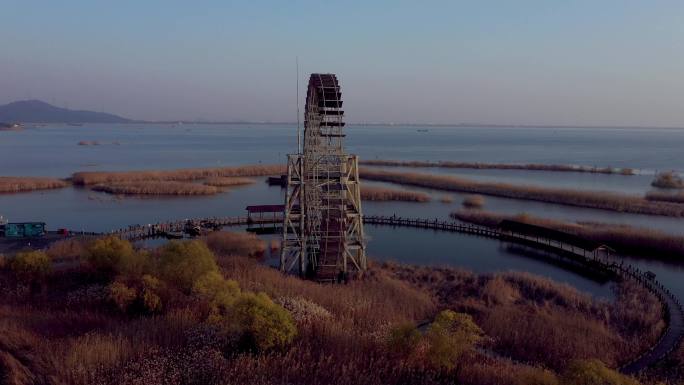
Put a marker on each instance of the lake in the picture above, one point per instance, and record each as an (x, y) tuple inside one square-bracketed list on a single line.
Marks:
[(53, 150)]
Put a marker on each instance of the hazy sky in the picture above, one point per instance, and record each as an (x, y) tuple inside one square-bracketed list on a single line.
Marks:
[(603, 62)]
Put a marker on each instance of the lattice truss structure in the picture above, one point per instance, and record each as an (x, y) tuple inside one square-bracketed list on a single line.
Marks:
[(323, 234)]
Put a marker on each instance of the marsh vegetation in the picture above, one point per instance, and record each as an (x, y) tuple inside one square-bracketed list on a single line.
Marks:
[(188, 174), (228, 181), (625, 239), (500, 166), (371, 193), (590, 199), (10, 184), (155, 188), (211, 313)]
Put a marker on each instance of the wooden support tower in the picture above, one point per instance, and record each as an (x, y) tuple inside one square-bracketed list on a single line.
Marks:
[(323, 235)]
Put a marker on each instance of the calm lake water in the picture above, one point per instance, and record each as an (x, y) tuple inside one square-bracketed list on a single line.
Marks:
[(54, 151)]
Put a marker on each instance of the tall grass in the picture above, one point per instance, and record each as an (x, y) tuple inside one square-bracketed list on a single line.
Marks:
[(623, 238), (589, 199), (229, 243), (536, 320), (228, 181), (474, 201), (665, 197), (387, 194), (9, 184), (500, 166), (95, 177), (155, 188)]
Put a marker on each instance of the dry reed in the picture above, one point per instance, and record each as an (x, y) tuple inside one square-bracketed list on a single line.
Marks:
[(96, 177), (623, 238), (10, 184), (369, 193), (589, 199), (500, 166), (229, 243), (228, 181), (446, 199), (155, 188), (474, 201), (665, 197), (536, 320)]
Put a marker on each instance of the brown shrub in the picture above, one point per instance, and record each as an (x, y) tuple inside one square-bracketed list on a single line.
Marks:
[(226, 243), (156, 188), (590, 199), (387, 194), (97, 177), (10, 184)]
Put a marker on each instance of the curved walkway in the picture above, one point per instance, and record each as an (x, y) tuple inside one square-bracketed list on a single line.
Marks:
[(674, 314)]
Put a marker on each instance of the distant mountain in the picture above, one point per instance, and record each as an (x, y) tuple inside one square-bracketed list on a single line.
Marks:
[(36, 111)]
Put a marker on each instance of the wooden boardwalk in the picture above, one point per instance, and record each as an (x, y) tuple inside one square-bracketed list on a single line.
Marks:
[(672, 308)]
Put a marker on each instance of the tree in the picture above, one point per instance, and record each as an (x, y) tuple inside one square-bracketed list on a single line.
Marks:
[(136, 294), (259, 323), (594, 372), (403, 339), (151, 301), (183, 263), (31, 266), (218, 291), (116, 255), (450, 336), (122, 295)]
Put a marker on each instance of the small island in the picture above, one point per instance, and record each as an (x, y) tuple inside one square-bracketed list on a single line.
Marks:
[(11, 126)]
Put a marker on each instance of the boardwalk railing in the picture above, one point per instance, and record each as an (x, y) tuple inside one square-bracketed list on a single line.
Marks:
[(672, 307)]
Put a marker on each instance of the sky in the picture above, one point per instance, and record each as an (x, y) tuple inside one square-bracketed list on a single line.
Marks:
[(576, 62)]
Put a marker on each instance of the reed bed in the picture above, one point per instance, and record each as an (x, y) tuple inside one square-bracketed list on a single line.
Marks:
[(228, 181), (96, 177), (155, 188), (446, 199), (10, 184), (668, 180), (665, 197), (623, 238), (500, 166), (387, 194), (590, 199), (474, 201), (226, 243)]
